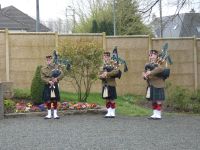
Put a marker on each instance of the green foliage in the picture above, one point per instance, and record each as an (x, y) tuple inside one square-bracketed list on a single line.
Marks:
[(86, 59), (94, 26), (196, 96), (100, 21), (182, 99), (102, 26), (128, 20), (37, 87), (22, 94), (9, 106), (126, 105), (179, 99), (106, 26)]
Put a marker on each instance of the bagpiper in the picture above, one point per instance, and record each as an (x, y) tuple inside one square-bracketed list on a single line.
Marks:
[(108, 73), (51, 74), (155, 90)]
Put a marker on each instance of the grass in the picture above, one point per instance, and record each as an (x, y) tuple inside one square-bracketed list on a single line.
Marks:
[(126, 105)]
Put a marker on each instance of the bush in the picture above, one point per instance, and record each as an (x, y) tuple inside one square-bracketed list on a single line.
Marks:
[(9, 106), (86, 60), (37, 87), (182, 99), (22, 94), (196, 96), (179, 99)]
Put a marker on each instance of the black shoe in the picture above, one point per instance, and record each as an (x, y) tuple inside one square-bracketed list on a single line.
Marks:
[(157, 118), (57, 118), (112, 116), (47, 118), (106, 116), (150, 118)]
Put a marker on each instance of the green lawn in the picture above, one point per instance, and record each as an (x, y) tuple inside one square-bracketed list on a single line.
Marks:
[(126, 105)]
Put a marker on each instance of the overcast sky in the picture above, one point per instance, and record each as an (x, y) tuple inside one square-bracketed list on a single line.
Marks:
[(53, 9), (49, 9)]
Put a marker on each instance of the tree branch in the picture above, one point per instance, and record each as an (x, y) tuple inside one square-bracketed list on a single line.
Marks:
[(150, 8)]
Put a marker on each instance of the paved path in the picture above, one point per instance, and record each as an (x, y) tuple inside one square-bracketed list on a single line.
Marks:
[(93, 132)]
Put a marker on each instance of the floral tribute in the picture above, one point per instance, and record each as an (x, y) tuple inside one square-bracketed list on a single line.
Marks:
[(22, 107)]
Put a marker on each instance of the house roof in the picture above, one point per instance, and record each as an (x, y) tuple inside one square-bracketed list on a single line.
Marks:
[(17, 16), (191, 24), (182, 25), (6, 22)]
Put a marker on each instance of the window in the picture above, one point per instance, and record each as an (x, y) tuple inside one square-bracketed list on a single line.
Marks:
[(175, 27), (198, 29)]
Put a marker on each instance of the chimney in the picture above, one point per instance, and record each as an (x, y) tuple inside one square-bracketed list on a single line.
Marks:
[(192, 10)]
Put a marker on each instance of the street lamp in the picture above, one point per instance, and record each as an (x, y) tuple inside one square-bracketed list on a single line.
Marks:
[(114, 18), (73, 10), (161, 24), (37, 16)]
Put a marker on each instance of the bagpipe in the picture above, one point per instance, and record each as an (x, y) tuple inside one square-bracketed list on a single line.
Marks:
[(59, 62), (116, 61), (119, 60), (163, 57)]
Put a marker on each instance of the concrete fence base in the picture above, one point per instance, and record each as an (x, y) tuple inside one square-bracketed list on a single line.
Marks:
[(1, 102), (7, 89), (6, 92)]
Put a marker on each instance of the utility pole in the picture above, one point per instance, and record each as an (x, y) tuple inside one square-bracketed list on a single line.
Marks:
[(161, 24), (38, 16), (114, 18), (73, 15)]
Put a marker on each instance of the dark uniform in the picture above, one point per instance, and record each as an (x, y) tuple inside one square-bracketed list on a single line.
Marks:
[(109, 87), (110, 83), (46, 75), (156, 83), (51, 91)]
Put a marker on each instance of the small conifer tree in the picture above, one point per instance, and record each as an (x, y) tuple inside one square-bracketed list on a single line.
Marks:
[(37, 87)]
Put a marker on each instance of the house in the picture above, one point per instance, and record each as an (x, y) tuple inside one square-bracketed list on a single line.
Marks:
[(15, 20), (181, 25)]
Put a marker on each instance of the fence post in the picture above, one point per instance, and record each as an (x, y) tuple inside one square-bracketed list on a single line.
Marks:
[(7, 56), (195, 64), (56, 40), (104, 41), (150, 42), (1, 102)]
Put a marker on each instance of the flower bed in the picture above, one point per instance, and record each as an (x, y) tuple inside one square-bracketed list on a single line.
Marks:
[(23, 107)]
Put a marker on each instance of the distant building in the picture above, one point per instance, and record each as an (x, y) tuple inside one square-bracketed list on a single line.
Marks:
[(181, 25), (15, 20)]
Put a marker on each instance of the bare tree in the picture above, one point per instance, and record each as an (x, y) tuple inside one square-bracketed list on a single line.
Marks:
[(147, 10), (147, 7), (87, 8), (59, 25)]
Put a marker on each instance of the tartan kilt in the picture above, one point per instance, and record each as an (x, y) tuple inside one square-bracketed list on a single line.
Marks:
[(157, 94), (112, 94), (47, 93)]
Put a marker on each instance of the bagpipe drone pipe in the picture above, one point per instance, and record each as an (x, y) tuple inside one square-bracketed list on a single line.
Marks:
[(116, 62), (59, 62), (163, 57)]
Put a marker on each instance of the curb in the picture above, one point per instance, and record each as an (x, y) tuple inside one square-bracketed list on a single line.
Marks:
[(61, 113)]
